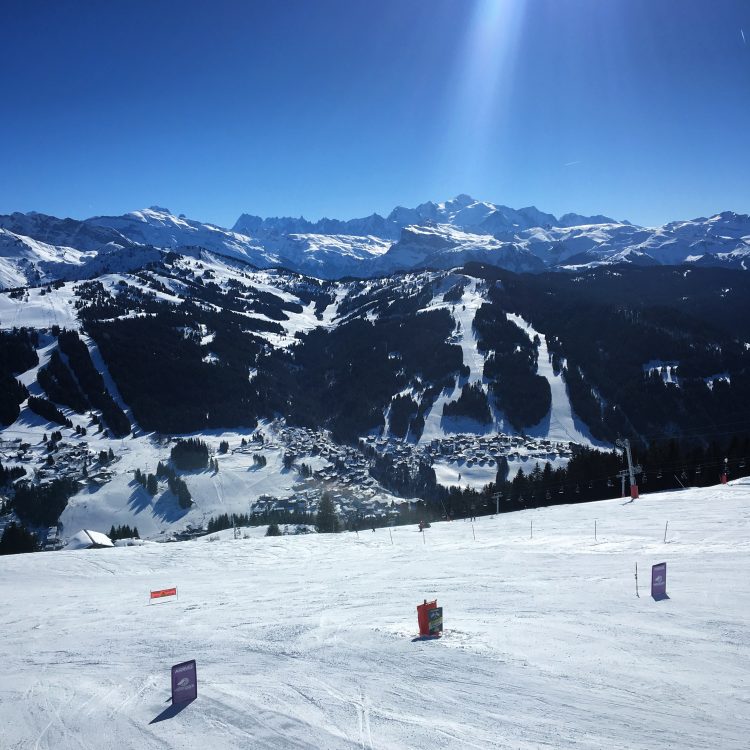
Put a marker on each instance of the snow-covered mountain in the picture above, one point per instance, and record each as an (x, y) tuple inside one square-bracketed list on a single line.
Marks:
[(38, 248), (83, 235), (25, 261), (463, 212), (327, 256), (444, 246), (158, 227)]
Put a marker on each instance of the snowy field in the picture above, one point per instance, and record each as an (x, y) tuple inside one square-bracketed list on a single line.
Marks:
[(306, 642)]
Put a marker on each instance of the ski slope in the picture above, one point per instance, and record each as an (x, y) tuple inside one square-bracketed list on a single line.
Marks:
[(560, 423), (546, 644), (435, 425)]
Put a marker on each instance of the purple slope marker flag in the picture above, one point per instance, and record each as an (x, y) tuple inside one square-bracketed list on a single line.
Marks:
[(184, 682), (659, 581)]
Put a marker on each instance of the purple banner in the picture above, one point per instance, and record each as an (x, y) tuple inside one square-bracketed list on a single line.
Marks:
[(184, 682), (659, 580)]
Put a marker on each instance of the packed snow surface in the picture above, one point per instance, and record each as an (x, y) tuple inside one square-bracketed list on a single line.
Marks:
[(560, 423), (546, 644)]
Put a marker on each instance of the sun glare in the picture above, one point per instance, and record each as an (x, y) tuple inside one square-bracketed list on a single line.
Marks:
[(483, 81)]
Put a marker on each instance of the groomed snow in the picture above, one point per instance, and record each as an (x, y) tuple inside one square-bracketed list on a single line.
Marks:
[(560, 424), (40, 309), (306, 642), (435, 425)]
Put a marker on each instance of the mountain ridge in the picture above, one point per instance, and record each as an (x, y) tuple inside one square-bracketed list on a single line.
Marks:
[(431, 235)]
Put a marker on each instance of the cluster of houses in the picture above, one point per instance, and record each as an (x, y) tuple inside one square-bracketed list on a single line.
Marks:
[(484, 450), (344, 471), (348, 466), (318, 457), (67, 459), (350, 504), (469, 450), (323, 466)]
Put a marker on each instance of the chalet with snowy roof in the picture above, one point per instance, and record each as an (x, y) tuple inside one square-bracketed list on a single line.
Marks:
[(88, 539)]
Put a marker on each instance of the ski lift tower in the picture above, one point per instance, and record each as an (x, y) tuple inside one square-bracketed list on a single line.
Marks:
[(632, 470)]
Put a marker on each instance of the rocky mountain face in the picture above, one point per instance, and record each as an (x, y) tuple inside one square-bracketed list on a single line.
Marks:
[(35, 248)]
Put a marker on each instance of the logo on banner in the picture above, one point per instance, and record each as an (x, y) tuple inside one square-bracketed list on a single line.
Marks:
[(435, 618), (659, 581), (184, 682)]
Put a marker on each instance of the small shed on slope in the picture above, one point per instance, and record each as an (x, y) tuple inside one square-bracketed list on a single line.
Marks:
[(87, 539)]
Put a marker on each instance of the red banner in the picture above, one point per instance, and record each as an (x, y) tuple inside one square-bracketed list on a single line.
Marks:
[(163, 593)]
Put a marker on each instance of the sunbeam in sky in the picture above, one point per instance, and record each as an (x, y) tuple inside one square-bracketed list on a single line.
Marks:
[(345, 108), (482, 85)]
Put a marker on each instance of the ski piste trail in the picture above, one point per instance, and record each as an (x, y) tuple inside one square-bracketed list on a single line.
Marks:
[(559, 425), (545, 645)]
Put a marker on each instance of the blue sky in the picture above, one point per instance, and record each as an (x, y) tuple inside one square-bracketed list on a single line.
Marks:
[(634, 108)]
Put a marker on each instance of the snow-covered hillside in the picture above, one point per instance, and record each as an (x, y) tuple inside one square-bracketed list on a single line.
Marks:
[(26, 261), (159, 227), (545, 643), (327, 256), (443, 246)]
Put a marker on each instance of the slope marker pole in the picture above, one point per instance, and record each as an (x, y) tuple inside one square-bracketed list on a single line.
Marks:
[(391, 535), (636, 581), (472, 532), (666, 526)]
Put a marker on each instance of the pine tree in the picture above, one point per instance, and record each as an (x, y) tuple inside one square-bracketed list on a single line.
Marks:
[(16, 539), (273, 530), (327, 522)]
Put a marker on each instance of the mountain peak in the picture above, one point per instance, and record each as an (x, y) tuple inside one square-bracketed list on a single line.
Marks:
[(463, 199)]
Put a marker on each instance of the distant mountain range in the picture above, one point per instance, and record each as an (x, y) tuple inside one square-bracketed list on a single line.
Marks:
[(463, 212), (36, 248)]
